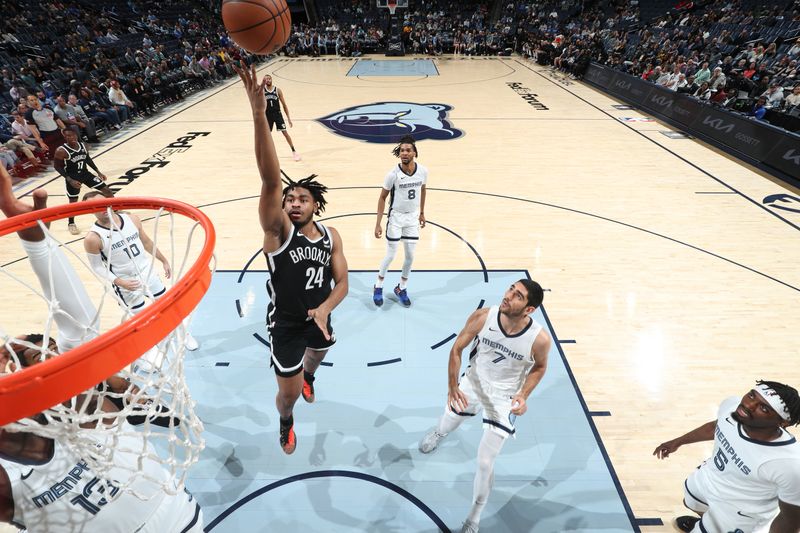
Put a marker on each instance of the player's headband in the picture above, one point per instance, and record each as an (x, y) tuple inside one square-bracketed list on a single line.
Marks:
[(774, 401)]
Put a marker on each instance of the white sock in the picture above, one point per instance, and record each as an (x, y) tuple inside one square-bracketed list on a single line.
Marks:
[(449, 422), (379, 282), (489, 448), (403, 282)]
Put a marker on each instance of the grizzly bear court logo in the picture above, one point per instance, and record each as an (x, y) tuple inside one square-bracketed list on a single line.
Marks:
[(387, 122)]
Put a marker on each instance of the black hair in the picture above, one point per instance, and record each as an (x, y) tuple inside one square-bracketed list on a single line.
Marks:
[(406, 139), (788, 396), (33, 338), (316, 189), (535, 292)]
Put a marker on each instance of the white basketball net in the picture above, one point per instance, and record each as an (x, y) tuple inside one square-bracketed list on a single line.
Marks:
[(138, 430)]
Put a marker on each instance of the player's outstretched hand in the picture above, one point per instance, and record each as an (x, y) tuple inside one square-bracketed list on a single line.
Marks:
[(457, 399), (11, 206), (320, 317), (663, 450), (518, 405), (254, 89), (378, 231)]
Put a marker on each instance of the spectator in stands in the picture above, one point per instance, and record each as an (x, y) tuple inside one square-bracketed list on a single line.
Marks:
[(121, 102), (717, 80), (759, 109), (703, 74), (10, 143), (24, 132), (690, 87), (793, 99), (91, 123), (703, 92), (141, 97), (69, 116), (97, 110), (774, 96)]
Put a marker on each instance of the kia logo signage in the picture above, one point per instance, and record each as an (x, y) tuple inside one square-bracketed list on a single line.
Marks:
[(624, 85), (793, 156), (718, 124), (661, 101)]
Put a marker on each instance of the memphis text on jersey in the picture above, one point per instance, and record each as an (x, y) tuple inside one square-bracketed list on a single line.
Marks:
[(499, 347), (310, 253), (125, 243), (95, 494), (406, 185), (725, 449)]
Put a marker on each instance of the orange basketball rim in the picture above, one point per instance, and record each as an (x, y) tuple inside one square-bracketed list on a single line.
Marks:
[(33, 389)]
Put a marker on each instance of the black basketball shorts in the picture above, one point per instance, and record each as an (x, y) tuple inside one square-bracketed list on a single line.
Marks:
[(88, 179), (277, 120), (289, 341)]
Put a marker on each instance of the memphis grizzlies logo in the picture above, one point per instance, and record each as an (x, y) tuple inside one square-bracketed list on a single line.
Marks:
[(386, 122)]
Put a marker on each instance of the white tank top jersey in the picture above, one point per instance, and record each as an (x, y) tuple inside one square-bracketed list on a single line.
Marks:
[(406, 190), (123, 249), (499, 360), (757, 474), (63, 495)]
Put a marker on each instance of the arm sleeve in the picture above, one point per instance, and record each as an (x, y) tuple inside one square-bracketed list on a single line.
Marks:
[(100, 268), (90, 162)]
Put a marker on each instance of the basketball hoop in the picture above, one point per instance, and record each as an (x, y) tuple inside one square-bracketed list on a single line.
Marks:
[(66, 396), (30, 390), (392, 6)]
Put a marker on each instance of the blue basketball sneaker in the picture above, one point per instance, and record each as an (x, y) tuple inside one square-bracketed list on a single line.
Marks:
[(377, 296), (403, 296)]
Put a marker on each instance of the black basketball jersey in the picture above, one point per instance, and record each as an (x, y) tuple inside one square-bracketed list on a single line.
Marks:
[(76, 159), (273, 101), (300, 275)]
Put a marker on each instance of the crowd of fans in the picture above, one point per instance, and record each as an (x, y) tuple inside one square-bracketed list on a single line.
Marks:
[(741, 58), (95, 67)]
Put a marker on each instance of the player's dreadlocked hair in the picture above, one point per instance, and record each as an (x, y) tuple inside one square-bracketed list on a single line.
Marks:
[(316, 189), (790, 398), (407, 139)]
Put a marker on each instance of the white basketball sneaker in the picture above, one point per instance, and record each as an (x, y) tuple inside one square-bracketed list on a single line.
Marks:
[(469, 527), (431, 441), (190, 342)]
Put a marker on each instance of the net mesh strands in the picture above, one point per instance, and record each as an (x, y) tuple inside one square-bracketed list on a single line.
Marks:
[(137, 427)]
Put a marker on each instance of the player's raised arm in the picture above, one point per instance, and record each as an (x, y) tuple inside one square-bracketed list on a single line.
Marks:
[(11, 206), (270, 209)]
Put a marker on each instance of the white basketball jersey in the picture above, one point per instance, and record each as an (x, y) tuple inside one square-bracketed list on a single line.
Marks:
[(63, 495), (499, 361), (406, 190), (123, 248), (752, 472)]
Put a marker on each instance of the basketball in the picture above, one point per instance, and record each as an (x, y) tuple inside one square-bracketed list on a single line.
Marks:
[(259, 26)]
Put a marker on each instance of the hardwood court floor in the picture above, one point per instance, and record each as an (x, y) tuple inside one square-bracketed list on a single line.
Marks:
[(677, 280)]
